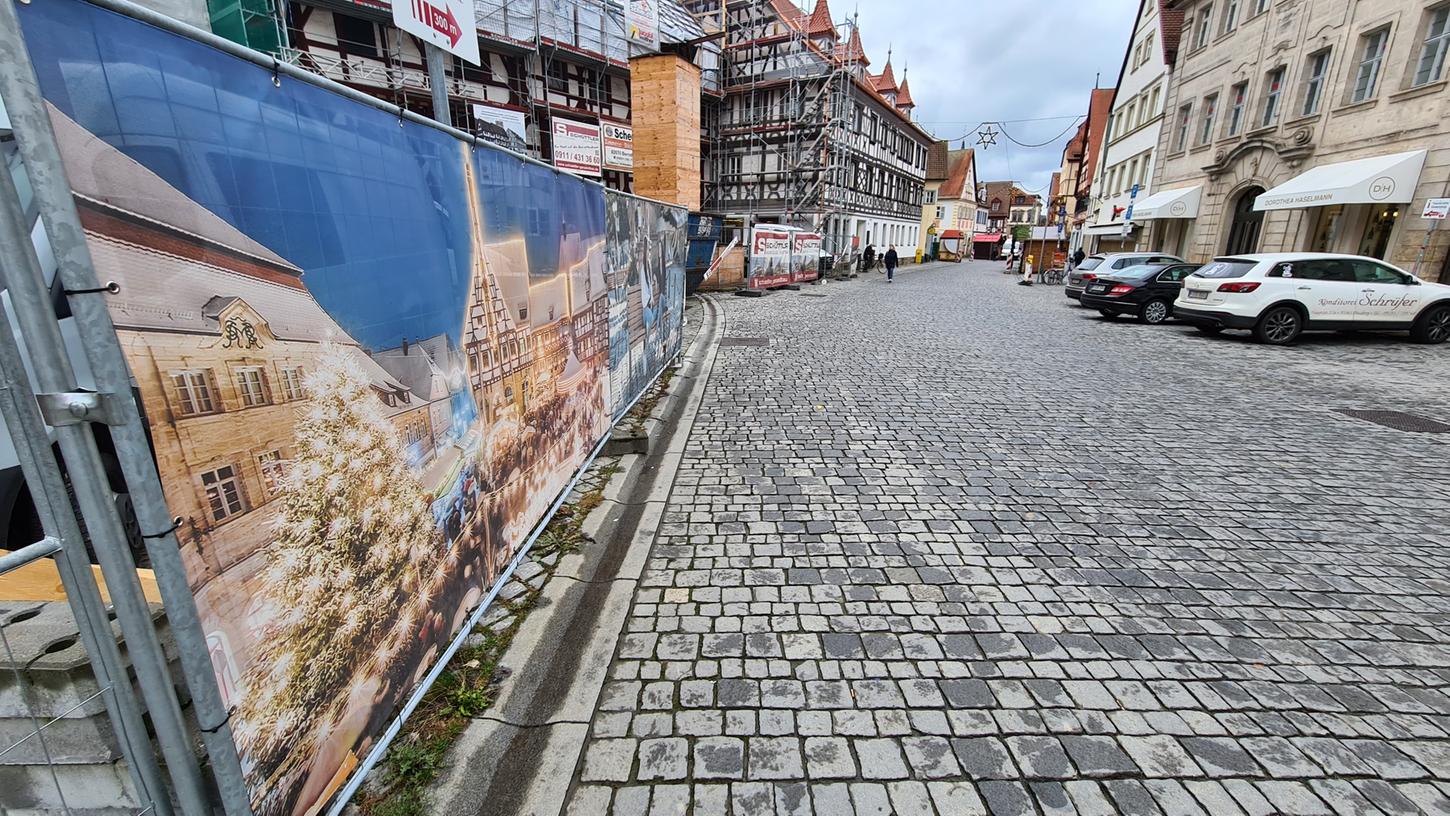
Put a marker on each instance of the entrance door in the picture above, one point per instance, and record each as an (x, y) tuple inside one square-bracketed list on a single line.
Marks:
[(1243, 235)]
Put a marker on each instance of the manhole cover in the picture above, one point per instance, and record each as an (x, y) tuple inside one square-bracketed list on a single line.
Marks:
[(745, 341), (1399, 420)]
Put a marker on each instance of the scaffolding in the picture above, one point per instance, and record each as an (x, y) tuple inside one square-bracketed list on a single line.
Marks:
[(783, 154)]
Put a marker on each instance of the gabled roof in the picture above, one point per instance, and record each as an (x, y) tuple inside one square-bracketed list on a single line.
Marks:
[(936, 161), (852, 50), (1170, 21), (960, 163), (885, 82), (903, 96), (820, 21)]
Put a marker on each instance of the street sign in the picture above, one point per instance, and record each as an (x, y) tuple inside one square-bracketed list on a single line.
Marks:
[(1128, 214), (1436, 209), (446, 24)]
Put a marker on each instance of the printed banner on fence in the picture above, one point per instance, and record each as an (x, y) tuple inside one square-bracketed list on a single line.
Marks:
[(642, 17), (769, 256), (369, 357), (805, 256), (618, 146), (576, 146)]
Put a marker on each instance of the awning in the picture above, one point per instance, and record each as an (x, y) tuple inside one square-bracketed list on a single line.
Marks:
[(988, 238), (1107, 229), (1387, 179), (949, 234), (1179, 203)]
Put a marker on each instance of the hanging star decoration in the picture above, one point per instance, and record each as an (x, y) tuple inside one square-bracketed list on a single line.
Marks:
[(986, 137)]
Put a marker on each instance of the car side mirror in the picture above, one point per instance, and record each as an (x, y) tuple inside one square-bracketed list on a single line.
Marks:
[(1413, 281)]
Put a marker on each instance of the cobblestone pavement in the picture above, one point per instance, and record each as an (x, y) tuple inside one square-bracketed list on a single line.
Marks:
[(955, 546)]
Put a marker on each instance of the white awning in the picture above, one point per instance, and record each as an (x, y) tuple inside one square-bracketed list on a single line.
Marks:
[(1107, 229), (1380, 179), (1179, 203)]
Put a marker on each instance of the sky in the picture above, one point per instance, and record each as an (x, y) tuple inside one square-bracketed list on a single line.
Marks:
[(1001, 61)]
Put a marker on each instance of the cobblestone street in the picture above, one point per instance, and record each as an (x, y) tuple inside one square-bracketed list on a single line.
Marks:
[(958, 546)]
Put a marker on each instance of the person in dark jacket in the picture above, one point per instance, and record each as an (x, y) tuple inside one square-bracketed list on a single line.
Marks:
[(890, 262), (1078, 257), (868, 258)]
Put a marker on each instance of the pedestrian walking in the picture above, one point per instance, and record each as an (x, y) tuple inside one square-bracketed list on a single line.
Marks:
[(890, 262), (1078, 257), (868, 258)]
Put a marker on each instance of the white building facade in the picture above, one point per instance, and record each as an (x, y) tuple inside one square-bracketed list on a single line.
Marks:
[(1131, 142)]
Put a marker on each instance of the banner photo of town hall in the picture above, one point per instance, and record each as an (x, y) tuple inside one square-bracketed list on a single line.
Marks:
[(370, 356)]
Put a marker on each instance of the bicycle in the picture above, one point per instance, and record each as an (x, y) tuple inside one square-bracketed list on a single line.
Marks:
[(1053, 276)]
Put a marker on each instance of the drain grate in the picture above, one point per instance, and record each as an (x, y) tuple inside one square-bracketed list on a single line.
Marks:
[(744, 341), (1399, 420)]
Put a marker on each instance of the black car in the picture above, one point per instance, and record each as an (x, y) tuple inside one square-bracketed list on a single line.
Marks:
[(1147, 292)]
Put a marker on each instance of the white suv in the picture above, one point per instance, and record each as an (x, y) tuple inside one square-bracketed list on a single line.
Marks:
[(1280, 295)]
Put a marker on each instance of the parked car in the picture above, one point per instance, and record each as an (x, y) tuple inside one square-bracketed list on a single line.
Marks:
[(1277, 296), (1094, 265), (1147, 292)]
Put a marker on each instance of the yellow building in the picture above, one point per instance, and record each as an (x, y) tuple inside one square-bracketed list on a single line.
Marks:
[(949, 205)]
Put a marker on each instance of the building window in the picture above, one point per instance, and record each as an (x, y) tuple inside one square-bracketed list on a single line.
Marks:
[(1314, 81), (292, 384), (1432, 52), (1205, 25), (223, 492), (1260, 6), (252, 386), (1273, 89), (940, 213), (273, 469), (355, 37), (1153, 105), (1143, 169), (1185, 116), (1371, 57), (1210, 109), (1239, 94), (1230, 16), (193, 392)]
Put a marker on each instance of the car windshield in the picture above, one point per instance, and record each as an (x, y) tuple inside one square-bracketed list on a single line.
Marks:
[(1226, 268), (1138, 271), (1090, 263)]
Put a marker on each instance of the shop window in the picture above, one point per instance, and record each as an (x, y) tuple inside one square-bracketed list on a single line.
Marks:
[(1326, 228), (1377, 231)]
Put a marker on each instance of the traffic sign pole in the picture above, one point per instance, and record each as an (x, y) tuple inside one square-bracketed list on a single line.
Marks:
[(438, 82)]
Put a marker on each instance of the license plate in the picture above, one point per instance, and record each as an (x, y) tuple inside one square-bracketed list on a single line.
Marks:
[(1097, 288), (1198, 294)]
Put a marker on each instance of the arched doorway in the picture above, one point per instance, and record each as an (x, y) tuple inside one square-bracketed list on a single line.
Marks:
[(1243, 234)]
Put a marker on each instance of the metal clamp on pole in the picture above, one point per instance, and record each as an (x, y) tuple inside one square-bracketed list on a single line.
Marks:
[(76, 407)]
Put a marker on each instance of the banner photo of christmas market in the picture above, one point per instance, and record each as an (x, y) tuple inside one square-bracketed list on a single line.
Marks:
[(370, 356), (781, 255)]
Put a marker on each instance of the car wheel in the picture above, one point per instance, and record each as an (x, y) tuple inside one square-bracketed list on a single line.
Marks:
[(1154, 312), (1107, 315), (1279, 326), (1433, 326), (1210, 328)]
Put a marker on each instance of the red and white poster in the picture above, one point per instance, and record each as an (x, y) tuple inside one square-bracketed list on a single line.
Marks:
[(769, 256), (576, 147), (618, 146), (643, 19), (805, 256)]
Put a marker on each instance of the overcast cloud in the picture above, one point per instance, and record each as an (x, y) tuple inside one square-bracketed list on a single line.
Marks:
[(974, 60)]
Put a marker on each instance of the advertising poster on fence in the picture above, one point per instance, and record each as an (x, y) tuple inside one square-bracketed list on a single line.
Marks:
[(618, 146), (370, 356), (504, 127), (642, 17), (576, 146), (805, 256), (770, 246)]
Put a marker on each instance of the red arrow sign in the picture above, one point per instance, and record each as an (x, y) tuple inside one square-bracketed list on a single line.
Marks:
[(440, 20)]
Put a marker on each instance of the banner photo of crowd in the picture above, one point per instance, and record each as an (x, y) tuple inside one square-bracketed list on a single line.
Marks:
[(370, 356)]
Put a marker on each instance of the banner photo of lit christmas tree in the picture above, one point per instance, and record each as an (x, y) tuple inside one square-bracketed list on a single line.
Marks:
[(370, 356)]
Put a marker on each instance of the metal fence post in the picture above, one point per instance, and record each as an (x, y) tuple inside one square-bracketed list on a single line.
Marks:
[(29, 297), (47, 489), (20, 89)]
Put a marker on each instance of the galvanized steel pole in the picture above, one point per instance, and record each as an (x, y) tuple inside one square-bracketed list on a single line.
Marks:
[(36, 140), (438, 83)]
